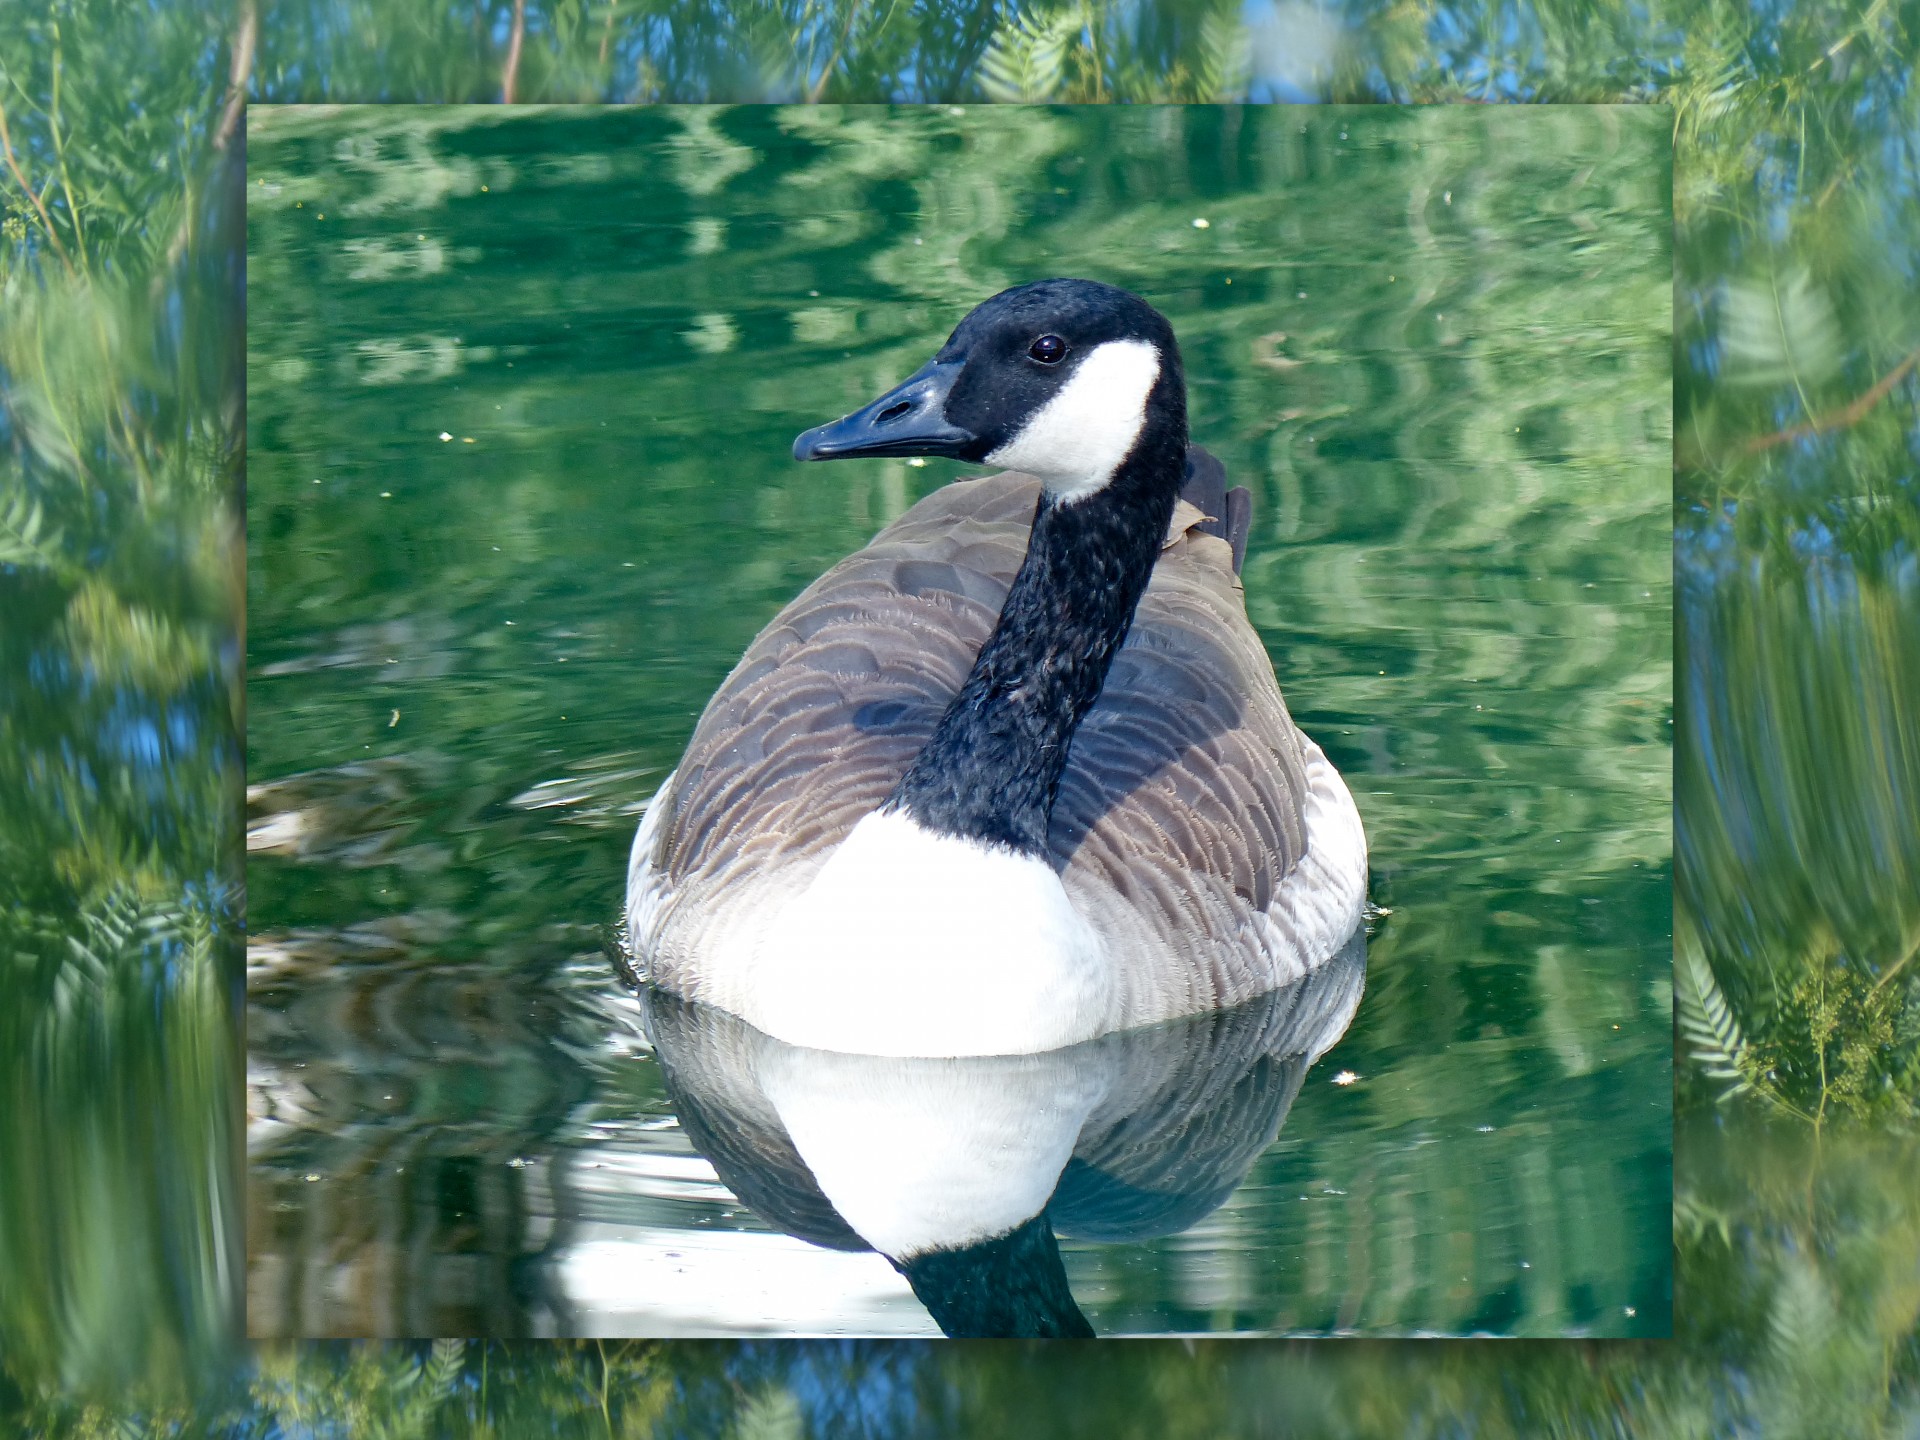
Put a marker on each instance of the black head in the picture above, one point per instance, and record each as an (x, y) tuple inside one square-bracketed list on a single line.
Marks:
[(1061, 378)]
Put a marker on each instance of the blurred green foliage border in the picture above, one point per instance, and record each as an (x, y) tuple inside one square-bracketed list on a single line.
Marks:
[(1797, 649)]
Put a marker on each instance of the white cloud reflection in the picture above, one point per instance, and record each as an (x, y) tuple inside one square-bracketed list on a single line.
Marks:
[(1295, 45)]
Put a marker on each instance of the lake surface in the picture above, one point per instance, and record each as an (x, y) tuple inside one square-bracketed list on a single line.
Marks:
[(521, 392)]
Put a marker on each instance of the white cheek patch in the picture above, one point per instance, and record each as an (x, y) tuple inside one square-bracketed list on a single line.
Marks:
[(1077, 439)]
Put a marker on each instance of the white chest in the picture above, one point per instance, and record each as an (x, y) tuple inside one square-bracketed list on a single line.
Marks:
[(909, 942)]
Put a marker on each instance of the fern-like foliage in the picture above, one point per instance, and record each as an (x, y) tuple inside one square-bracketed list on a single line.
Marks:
[(1801, 1319), (1708, 1025), (110, 952), (1026, 59), (442, 1370), (26, 539), (405, 1391), (1779, 329), (1223, 70), (1695, 1218), (771, 1414)]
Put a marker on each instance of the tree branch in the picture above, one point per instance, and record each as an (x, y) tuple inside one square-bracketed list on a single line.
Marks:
[(606, 36), (819, 87), (1850, 414), (1894, 969), (6, 145), (238, 74), (513, 51)]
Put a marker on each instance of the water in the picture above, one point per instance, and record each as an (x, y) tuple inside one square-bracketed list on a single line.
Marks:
[(521, 389)]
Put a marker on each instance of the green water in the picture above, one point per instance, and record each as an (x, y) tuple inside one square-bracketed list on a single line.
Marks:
[(521, 389)]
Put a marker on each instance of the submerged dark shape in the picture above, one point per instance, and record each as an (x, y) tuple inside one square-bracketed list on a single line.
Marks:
[(1010, 1286)]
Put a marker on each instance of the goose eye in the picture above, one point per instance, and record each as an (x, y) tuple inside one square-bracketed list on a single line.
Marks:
[(1048, 349)]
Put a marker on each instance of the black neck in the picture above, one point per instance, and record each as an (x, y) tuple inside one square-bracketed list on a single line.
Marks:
[(1007, 1288), (993, 765)]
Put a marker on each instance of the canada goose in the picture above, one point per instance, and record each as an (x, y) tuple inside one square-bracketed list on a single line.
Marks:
[(961, 1171), (938, 808)]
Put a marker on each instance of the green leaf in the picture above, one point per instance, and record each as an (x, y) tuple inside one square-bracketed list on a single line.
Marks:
[(1780, 329), (25, 538), (772, 1414), (1224, 70), (1027, 56), (1707, 1022)]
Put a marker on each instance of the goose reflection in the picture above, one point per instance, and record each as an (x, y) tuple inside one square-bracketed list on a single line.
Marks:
[(962, 1172)]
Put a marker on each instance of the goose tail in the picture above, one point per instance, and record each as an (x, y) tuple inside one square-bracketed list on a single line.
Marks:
[(1229, 512)]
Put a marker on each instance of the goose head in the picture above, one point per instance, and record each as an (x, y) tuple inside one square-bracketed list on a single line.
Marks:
[(1071, 381)]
